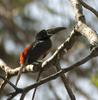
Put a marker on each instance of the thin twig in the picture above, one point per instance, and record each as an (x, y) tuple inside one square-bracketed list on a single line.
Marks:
[(38, 77), (89, 7), (94, 53), (65, 81)]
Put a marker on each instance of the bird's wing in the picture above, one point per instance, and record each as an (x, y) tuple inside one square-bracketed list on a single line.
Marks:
[(39, 49)]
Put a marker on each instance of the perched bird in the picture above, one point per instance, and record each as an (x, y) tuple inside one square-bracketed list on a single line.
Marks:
[(39, 49)]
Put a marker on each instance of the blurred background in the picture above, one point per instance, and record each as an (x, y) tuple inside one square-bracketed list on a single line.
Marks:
[(20, 20)]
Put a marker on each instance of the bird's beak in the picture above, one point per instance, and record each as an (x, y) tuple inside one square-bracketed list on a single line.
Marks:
[(55, 30)]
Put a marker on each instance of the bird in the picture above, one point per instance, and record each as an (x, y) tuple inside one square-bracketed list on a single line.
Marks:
[(38, 49)]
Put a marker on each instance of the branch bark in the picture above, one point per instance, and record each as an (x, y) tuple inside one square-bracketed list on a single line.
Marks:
[(81, 26), (94, 53)]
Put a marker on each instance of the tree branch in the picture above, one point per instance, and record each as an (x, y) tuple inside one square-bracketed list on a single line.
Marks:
[(89, 8), (80, 29), (94, 53), (81, 26), (46, 64)]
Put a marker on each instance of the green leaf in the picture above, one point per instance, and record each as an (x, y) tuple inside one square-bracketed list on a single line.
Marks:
[(94, 80)]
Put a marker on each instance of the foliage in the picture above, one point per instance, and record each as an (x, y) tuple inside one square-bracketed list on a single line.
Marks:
[(94, 79)]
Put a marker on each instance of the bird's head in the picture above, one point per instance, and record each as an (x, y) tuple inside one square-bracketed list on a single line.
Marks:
[(45, 34)]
